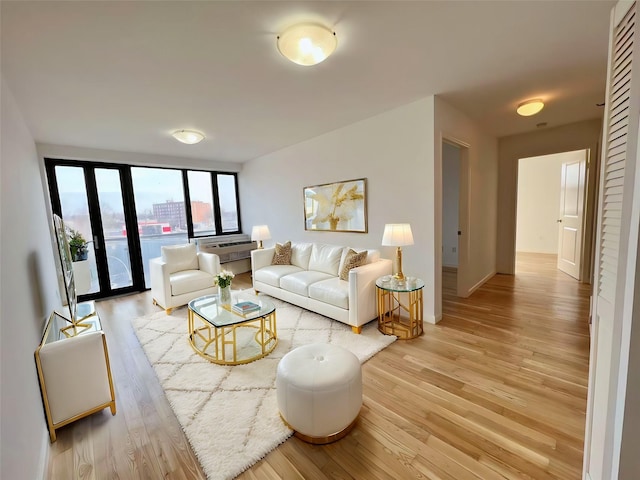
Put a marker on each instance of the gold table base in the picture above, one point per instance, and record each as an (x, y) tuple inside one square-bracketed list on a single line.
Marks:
[(219, 344), (403, 320)]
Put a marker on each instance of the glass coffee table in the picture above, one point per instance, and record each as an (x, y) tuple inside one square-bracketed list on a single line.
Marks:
[(225, 337)]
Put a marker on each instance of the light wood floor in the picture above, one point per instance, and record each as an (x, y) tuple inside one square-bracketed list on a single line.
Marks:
[(497, 389)]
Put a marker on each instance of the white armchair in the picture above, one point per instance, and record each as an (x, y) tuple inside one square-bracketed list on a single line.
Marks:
[(182, 274)]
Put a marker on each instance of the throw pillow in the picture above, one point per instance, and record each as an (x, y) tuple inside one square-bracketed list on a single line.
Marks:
[(282, 255), (352, 260)]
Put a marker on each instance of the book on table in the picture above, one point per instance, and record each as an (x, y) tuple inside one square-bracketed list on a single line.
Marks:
[(245, 307)]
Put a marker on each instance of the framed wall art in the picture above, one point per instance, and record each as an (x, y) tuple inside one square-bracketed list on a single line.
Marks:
[(336, 207)]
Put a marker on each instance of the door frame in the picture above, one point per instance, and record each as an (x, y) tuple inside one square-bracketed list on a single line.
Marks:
[(462, 286)]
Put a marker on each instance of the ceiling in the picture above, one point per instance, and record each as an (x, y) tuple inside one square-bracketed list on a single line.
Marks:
[(124, 75)]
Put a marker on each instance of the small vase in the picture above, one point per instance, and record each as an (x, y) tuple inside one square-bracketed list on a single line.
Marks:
[(225, 295)]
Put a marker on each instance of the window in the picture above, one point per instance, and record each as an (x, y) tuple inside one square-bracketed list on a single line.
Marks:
[(228, 202), (162, 219), (128, 213), (201, 200)]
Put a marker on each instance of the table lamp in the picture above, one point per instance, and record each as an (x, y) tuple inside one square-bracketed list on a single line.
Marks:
[(397, 235), (260, 233)]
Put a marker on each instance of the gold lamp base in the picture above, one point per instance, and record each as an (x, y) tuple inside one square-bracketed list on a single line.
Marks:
[(259, 244), (399, 275)]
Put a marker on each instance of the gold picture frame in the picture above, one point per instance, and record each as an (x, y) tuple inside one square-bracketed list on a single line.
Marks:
[(336, 207)]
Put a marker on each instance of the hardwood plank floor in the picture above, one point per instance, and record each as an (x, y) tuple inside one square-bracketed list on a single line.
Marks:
[(496, 390)]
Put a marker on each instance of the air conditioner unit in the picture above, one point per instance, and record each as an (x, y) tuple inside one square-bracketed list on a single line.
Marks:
[(234, 250)]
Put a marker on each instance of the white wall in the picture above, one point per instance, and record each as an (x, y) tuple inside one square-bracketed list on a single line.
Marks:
[(29, 293), (391, 151), (396, 152), (539, 186), (478, 263), (574, 136), (538, 204), (450, 197)]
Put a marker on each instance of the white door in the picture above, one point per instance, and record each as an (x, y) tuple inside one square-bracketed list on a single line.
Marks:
[(571, 216), (619, 145)]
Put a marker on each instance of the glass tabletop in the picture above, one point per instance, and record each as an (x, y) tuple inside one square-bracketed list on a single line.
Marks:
[(209, 309), (409, 284)]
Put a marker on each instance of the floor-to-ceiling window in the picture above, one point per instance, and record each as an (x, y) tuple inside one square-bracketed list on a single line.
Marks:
[(128, 213)]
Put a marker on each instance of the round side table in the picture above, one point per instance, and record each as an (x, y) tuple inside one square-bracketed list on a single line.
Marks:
[(400, 307)]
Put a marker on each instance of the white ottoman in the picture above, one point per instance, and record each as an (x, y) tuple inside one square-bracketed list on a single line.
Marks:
[(319, 388)]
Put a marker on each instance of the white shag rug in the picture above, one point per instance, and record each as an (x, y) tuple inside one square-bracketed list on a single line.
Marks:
[(230, 413)]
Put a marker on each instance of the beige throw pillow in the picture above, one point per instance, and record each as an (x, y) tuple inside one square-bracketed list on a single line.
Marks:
[(282, 255), (352, 260)]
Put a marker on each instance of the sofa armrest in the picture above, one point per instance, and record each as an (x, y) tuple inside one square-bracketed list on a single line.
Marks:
[(160, 284), (209, 262), (362, 290), (261, 258)]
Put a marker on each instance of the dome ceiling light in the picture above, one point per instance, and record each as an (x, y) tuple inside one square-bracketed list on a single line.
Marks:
[(188, 136), (307, 44), (530, 107)]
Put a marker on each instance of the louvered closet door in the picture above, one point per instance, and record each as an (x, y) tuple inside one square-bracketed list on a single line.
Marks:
[(601, 409)]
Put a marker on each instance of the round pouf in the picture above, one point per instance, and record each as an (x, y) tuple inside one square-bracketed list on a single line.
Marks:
[(319, 389)]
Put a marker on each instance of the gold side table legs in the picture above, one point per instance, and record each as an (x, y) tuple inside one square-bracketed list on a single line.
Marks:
[(400, 312)]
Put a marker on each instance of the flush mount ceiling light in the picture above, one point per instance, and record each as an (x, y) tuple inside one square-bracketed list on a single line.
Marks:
[(307, 44), (530, 107), (188, 136)]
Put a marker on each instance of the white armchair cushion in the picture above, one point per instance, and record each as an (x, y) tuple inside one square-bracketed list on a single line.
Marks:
[(272, 274), (180, 257), (325, 258), (186, 281), (332, 291), (299, 282)]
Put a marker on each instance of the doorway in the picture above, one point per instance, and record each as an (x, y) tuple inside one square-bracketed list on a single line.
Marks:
[(90, 199), (455, 215), (550, 217)]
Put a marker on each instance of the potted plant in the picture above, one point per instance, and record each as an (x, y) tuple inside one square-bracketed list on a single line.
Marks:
[(78, 246)]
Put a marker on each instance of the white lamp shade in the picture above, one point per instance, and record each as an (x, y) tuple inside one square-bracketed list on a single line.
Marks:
[(307, 44), (260, 232), (188, 136), (397, 235)]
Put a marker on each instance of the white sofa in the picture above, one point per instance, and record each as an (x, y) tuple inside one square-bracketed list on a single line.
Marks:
[(182, 274), (312, 281)]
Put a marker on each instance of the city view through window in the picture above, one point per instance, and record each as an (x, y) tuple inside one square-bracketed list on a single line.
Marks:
[(159, 200)]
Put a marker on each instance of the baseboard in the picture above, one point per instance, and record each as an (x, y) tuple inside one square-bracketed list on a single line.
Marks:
[(485, 279), (43, 462), (433, 319), (447, 268)]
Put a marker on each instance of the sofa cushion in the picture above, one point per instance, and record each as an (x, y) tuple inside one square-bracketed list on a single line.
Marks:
[(299, 282), (187, 281), (332, 291), (272, 274), (300, 253), (282, 255), (325, 258), (180, 257), (352, 260)]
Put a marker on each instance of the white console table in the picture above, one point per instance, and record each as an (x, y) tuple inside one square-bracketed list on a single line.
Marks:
[(73, 369)]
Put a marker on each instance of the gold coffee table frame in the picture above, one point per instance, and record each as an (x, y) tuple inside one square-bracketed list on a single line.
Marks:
[(395, 317), (213, 328)]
